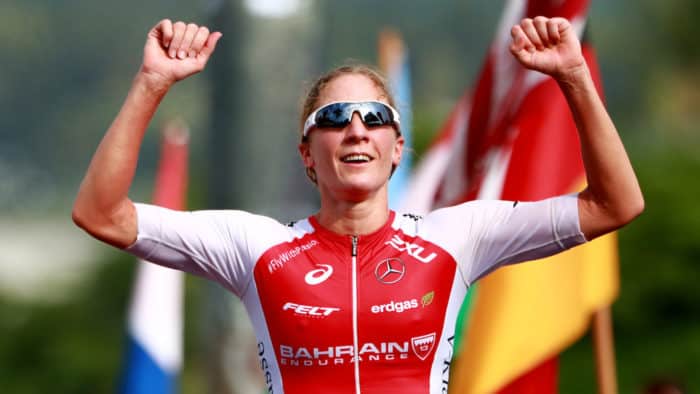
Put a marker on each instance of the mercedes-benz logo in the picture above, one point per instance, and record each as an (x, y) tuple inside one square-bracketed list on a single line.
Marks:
[(390, 271)]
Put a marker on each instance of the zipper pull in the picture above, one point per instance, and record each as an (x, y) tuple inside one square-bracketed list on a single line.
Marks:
[(354, 246)]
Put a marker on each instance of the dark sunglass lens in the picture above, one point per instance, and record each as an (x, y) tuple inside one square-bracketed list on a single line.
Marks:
[(377, 115), (373, 119), (332, 116), (338, 115)]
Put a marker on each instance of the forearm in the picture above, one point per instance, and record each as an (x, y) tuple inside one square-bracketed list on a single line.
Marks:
[(102, 206), (613, 196)]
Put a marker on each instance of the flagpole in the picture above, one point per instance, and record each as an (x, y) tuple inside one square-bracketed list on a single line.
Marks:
[(390, 49), (392, 59), (603, 343)]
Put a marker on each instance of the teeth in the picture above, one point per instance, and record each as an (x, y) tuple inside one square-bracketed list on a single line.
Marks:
[(355, 158)]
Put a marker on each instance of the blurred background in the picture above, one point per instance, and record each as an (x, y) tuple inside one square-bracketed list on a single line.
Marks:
[(68, 65)]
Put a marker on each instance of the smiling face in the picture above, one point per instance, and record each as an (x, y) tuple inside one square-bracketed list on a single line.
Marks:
[(353, 162)]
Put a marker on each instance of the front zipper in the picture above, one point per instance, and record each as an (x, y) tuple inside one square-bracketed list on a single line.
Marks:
[(355, 341)]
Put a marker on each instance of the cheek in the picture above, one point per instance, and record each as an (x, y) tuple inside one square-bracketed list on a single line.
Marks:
[(321, 151)]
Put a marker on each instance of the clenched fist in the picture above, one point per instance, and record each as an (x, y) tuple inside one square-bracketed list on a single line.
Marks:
[(547, 45), (174, 51)]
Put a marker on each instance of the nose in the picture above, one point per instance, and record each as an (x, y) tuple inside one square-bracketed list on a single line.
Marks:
[(356, 130)]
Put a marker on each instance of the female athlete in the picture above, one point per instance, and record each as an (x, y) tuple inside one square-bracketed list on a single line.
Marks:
[(355, 298)]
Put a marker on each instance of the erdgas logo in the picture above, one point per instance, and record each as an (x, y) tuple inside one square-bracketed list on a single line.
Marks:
[(309, 310), (413, 250), (395, 306), (427, 298), (318, 275), (420, 346), (401, 306)]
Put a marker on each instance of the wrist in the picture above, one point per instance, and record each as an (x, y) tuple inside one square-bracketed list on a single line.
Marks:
[(152, 83), (574, 78)]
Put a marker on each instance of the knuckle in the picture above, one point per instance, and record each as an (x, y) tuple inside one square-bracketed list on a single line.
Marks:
[(204, 30), (192, 26), (179, 24)]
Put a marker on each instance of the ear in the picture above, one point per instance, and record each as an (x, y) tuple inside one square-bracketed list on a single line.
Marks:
[(305, 152), (398, 151)]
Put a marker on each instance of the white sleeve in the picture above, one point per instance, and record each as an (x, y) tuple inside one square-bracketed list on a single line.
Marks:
[(217, 245), (485, 235)]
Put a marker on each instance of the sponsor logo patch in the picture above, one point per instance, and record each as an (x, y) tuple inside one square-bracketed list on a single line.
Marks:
[(301, 356), (319, 275), (288, 255), (395, 306), (427, 298), (390, 271), (423, 345), (413, 250), (309, 310)]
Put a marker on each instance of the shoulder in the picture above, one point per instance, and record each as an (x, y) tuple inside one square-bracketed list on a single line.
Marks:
[(226, 222), (458, 212)]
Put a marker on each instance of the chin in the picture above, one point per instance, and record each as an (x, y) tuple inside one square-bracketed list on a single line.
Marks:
[(359, 190)]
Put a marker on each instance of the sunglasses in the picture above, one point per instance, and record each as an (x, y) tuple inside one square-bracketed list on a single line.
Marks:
[(339, 114)]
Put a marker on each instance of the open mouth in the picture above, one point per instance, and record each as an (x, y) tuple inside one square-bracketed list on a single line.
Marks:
[(356, 158)]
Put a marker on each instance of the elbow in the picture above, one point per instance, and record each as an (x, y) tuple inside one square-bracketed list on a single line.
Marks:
[(631, 210), (636, 208), (78, 216), (598, 218), (86, 220), (116, 227)]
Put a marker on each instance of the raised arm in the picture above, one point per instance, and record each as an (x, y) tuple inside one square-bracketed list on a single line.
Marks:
[(173, 51), (613, 197)]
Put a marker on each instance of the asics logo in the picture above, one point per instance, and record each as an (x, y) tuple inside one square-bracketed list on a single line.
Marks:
[(319, 275)]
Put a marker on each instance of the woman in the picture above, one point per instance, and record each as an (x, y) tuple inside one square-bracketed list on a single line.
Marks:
[(356, 297)]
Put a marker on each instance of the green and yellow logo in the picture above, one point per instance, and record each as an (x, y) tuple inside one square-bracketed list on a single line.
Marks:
[(427, 298)]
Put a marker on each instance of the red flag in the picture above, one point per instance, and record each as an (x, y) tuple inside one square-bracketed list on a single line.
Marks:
[(521, 144)]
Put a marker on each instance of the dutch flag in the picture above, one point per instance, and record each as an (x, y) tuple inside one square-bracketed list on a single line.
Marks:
[(154, 345)]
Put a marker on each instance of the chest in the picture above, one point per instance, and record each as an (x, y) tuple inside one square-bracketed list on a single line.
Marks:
[(311, 287)]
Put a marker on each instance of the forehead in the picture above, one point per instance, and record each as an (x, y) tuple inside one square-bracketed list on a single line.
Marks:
[(351, 87)]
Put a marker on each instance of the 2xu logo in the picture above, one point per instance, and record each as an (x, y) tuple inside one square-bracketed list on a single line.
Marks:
[(319, 275), (413, 250)]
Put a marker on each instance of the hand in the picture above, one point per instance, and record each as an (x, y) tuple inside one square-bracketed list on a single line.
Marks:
[(547, 45), (174, 51)]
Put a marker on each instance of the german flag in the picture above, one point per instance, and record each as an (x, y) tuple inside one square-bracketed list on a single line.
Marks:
[(514, 138)]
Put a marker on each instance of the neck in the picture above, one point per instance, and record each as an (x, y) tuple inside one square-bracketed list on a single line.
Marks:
[(354, 217)]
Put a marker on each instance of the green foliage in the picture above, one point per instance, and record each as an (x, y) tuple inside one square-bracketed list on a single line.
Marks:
[(657, 316), (71, 347), (659, 252)]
